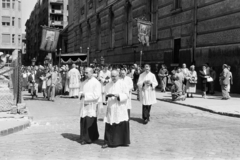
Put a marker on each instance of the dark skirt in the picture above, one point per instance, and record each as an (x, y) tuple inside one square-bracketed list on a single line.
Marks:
[(117, 134), (204, 87), (88, 129)]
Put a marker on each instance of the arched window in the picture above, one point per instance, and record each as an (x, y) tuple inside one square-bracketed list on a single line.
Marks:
[(98, 33), (128, 23), (111, 28)]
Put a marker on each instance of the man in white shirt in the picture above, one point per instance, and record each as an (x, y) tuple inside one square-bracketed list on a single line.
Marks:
[(117, 132), (90, 96), (147, 83)]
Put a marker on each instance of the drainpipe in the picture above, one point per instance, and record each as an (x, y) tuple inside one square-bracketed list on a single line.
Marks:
[(195, 31)]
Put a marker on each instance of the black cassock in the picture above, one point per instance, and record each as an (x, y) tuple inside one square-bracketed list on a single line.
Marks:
[(88, 129), (117, 134)]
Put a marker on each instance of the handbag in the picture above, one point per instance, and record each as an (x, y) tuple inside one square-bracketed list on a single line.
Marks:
[(209, 79)]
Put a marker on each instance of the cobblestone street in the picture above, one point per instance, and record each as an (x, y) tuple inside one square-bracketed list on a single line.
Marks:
[(174, 132)]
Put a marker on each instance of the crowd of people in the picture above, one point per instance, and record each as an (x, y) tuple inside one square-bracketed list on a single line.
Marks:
[(112, 86)]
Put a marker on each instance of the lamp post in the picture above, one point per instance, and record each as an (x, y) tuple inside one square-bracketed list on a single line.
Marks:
[(80, 49), (59, 62), (88, 56)]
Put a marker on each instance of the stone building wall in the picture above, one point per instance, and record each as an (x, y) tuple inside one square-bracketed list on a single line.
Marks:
[(191, 31)]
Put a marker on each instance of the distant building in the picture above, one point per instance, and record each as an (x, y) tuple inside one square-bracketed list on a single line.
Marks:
[(184, 31), (52, 13), (10, 26)]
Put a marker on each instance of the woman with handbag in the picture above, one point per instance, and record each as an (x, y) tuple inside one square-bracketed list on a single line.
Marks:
[(191, 81)]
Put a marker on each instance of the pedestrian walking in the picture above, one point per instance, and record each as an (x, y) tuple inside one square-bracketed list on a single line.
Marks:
[(213, 76), (191, 81), (224, 82), (230, 79), (90, 96), (147, 83), (204, 76)]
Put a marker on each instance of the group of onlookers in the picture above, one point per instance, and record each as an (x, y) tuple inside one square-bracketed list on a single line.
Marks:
[(183, 81)]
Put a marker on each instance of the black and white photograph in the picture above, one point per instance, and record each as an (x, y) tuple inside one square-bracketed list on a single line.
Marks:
[(119, 80)]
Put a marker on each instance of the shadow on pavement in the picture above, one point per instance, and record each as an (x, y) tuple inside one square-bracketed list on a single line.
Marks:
[(72, 137), (38, 99), (76, 138), (139, 120)]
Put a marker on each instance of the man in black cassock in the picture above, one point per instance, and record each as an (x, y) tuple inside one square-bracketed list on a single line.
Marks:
[(90, 96)]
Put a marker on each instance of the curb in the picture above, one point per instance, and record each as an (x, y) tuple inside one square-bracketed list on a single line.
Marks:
[(15, 129), (200, 108)]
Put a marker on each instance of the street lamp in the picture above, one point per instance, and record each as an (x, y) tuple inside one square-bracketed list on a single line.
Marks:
[(88, 56), (80, 49), (60, 52)]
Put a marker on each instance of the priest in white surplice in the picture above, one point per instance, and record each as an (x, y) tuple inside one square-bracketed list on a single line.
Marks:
[(90, 95), (128, 81), (147, 83), (74, 81), (116, 119), (104, 78)]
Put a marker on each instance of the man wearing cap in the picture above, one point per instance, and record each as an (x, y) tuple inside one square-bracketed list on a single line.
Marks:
[(74, 81), (224, 82)]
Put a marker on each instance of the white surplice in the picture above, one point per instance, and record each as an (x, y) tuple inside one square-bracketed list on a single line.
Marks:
[(103, 77), (74, 82), (117, 110), (93, 94), (147, 93), (128, 81)]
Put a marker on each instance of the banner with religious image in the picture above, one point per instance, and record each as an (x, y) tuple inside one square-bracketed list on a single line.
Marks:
[(144, 31), (50, 38)]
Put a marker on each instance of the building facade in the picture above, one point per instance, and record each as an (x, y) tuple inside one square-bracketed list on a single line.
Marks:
[(10, 27), (183, 31), (52, 13)]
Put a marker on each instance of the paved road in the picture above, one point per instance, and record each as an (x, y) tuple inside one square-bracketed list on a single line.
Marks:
[(174, 132)]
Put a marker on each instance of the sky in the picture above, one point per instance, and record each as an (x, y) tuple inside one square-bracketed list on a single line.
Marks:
[(27, 7)]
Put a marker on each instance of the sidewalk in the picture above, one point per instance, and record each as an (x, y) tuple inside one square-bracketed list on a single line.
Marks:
[(212, 103)]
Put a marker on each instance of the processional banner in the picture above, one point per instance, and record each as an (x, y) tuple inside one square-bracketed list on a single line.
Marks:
[(50, 38), (144, 31)]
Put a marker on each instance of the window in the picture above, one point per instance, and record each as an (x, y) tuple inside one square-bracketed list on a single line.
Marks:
[(99, 34), (177, 4), (6, 38), (13, 38), (112, 29), (177, 47), (5, 21), (19, 5), (19, 22), (13, 21), (152, 17), (13, 4), (5, 3), (89, 31), (128, 23), (19, 40)]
